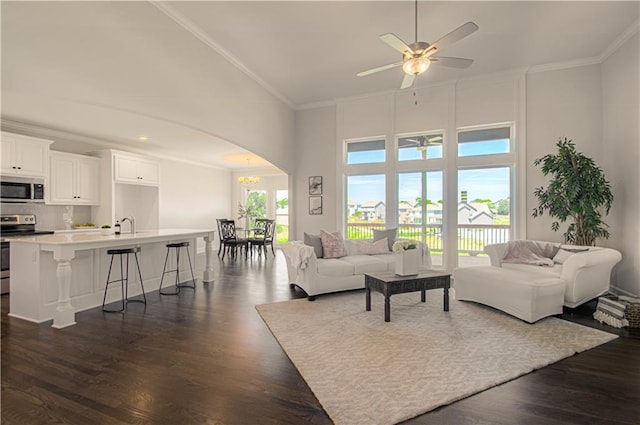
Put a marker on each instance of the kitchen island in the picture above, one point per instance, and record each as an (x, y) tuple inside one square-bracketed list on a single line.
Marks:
[(54, 276)]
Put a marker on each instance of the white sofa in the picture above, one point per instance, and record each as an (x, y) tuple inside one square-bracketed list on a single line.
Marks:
[(532, 292), (318, 276)]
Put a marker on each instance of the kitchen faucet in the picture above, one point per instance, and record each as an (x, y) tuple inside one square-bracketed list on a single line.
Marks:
[(132, 221)]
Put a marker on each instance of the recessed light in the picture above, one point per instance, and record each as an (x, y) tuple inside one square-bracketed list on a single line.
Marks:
[(143, 138)]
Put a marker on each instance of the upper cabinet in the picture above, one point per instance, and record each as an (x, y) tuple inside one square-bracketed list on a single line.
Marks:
[(74, 179), (24, 156), (135, 170)]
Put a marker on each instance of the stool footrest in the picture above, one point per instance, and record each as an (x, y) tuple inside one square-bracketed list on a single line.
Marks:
[(177, 284)]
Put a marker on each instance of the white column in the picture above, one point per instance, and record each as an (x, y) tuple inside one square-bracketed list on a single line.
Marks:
[(208, 249), (65, 314)]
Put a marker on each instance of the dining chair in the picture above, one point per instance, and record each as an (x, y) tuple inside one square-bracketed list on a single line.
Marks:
[(263, 236), (218, 220), (230, 241)]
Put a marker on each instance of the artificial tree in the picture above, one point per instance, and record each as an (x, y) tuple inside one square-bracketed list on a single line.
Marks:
[(578, 190)]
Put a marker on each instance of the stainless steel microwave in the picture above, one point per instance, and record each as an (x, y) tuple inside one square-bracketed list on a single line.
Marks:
[(20, 189)]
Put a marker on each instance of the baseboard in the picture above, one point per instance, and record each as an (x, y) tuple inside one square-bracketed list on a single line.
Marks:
[(619, 291)]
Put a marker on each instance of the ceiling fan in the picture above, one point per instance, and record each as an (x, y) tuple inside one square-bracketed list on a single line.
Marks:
[(417, 56), (422, 142)]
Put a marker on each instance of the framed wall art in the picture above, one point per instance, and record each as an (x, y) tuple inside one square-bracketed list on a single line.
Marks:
[(315, 205), (315, 185)]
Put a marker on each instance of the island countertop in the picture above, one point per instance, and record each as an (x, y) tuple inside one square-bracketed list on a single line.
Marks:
[(95, 238), (43, 286)]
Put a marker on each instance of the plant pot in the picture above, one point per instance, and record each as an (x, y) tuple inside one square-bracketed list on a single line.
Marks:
[(407, 262), (106, 232)]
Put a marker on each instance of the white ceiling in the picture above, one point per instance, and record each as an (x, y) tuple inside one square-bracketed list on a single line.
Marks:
[(109, 71)]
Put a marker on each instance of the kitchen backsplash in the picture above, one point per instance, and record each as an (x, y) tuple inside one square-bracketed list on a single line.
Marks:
[(49, 217)]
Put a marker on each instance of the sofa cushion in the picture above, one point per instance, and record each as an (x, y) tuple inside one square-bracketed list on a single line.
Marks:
[(335, 267), (389, 259), (316, 242), (526, 295), (554, 270), (390, 234), (366, 263), (332, 244)]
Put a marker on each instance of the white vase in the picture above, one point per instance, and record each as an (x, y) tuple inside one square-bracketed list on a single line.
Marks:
[(407, 262)]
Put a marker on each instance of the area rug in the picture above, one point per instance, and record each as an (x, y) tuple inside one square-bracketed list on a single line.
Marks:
[(366, 371)]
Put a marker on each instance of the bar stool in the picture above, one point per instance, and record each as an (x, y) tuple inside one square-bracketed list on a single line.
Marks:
[(124, 277), (178, 285)]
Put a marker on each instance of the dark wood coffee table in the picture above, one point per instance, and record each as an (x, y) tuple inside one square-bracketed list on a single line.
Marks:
[(389, 284)]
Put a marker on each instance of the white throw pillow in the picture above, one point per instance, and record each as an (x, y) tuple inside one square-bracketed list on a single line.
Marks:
[(372, 248)]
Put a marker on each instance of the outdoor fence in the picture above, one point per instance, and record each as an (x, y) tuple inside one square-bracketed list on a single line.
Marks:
[(471, 238)]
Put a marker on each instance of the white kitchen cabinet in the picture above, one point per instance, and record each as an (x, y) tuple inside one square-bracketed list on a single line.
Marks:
[(24, 156), (74, 179), (134, 170)]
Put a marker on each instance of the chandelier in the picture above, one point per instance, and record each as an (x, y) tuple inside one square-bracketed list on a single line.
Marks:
[(248, 180)]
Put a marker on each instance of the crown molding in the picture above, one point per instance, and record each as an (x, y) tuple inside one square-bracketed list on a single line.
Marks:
[(185, 23), (510, 73), (622, 38), (557, 66)]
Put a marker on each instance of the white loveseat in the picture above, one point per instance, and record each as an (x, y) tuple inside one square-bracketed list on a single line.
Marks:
[(532, 292), (318, 276)]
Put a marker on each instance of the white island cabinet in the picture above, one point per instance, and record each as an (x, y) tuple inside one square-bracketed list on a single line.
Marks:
[(54, 276)]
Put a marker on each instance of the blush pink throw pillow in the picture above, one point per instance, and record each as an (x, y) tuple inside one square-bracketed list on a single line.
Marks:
[(332, 244)]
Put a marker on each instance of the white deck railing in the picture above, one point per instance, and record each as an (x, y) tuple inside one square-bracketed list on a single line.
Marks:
[(471, 238)]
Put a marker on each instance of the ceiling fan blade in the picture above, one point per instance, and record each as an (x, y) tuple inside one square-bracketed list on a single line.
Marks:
[(452, 62), (395, 42), (378, 69), (407, 81), (457, 34), (434, 139)]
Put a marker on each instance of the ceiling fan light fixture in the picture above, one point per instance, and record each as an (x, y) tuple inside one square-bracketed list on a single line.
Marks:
[(416, 66)]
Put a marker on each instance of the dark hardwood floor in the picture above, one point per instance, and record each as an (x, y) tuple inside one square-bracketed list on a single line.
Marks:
[(206, 357)]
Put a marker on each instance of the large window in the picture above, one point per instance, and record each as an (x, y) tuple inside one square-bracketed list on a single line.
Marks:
[(282, 216), (256, 206), (483, 211), (365, 151), (420, 208), (489, 141), (484, 191), (420, 146), (454, 193), (366, 209)]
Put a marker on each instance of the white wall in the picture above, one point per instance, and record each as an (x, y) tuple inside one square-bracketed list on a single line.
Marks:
[(315, 155), (621, 155), (562, 103), (191, 196)]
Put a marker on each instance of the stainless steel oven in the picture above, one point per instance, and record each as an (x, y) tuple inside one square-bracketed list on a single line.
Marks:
[(20, 189), (14, 225), (4, 265)]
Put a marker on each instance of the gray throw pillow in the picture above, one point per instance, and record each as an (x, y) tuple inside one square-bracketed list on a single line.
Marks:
[(390, 234), (315, 242)]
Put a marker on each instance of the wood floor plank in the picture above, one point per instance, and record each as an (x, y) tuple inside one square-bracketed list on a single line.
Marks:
[(206, 357)]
